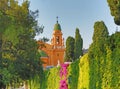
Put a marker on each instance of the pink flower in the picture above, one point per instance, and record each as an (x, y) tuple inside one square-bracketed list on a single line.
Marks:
[(63, 74)]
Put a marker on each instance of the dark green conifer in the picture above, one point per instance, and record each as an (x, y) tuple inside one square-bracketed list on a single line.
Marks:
[(69, 52), (78, 44)]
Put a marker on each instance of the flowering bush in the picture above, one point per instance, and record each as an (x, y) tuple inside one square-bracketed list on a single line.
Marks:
[(63, 76), (63, 84)]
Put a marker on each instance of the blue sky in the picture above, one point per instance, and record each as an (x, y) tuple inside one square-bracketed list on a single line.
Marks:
[(73, 13)]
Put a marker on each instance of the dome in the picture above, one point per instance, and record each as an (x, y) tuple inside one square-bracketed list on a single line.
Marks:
[(57, 26)]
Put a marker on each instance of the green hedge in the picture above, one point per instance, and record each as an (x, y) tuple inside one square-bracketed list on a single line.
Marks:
[(83, 80), (73, 74), (52, 78)]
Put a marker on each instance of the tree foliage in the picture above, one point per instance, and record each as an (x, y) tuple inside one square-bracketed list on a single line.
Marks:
[(83, 79), (96, 55), (73, 75), (78, 44), (115, 10), (103, 59), (69, 52), (19, 56), (53, 78), (115, 60)]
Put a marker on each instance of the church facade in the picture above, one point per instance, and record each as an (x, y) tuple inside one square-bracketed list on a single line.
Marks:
[(53, 54)]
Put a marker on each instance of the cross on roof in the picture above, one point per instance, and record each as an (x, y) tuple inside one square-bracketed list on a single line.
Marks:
[(57, 19)]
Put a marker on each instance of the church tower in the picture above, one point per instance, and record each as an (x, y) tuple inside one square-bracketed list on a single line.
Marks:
[(53, 54), (57, 40)]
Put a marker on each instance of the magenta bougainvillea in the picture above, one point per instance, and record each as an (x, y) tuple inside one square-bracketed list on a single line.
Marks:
[(63, 76)]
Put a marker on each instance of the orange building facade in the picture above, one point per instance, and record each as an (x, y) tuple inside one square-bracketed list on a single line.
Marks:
[(53, 54)]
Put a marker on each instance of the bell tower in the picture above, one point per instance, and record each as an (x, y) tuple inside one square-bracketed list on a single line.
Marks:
[(57, 40), (58, 47), (53, 54)]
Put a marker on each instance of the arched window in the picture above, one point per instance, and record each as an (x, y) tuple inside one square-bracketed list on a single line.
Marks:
[(57, 39)]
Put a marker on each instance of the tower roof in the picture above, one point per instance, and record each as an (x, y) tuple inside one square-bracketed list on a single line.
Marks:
[(57, 25)]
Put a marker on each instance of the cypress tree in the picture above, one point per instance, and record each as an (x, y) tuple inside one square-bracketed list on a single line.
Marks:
[(114, 44), (69, 52), (115, 60), (78, 44), (97, 55)]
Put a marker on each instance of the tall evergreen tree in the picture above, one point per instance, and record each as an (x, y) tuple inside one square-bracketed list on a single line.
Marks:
[(114, 42), (78, 44), (97, 55), (115, 60), (69, 52)]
